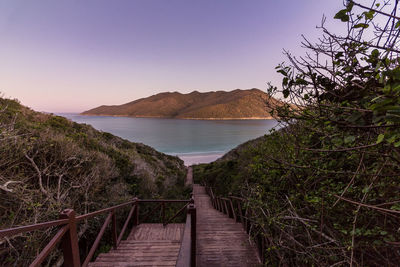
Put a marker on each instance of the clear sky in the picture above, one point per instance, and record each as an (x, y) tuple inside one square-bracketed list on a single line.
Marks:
[(72, 55)]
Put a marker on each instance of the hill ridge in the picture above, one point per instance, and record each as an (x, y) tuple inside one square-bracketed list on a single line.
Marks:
[(237, 104)]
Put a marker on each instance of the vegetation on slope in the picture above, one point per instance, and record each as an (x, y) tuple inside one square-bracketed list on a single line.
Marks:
[(48, 163), (324, 190), (251, 103)]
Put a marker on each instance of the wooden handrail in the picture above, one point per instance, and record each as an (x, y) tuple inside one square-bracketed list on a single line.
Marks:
[(163, 200), (161, 206), (23, 229), (126, 224), (97, 241), (50, 246), (193, 233), (67, 235), (238, 198), (176, 215), (187, 252), (95, 213)]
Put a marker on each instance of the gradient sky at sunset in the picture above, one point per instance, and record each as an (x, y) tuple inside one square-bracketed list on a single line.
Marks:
[(72, 55)]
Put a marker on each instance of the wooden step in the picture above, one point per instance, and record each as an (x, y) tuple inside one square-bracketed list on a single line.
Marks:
[(147, 245), (131, 264)]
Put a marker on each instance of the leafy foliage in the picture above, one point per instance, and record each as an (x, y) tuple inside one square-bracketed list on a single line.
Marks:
[(324, 189), (48, 163)]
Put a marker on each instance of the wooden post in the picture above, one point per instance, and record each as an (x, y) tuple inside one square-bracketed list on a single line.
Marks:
[(226, 209), (246, 224), (114, 229), (69, 243), (163, 212), (240, 212), (233, 210), (136, 214), (192, 211)]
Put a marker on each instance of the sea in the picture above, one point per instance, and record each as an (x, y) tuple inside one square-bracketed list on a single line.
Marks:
[(194, 141)]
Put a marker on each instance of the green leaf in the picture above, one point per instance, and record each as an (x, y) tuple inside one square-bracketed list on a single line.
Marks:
[(282, 72), (380, 138), (376, 98), (365, 190), (369, 15), (395, 207), (396, 88), (397, 24), (349, 139), (397, 144), (301, 81), (392, 118), (342, 15), (361, 25), (381, 105), (392, 139), (396, 73), (338, 55), (375, 53), (285, 93), (350, 6)]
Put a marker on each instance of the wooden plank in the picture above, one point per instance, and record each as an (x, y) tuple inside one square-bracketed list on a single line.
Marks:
[(154, 231), (131, 264), (147, 245)]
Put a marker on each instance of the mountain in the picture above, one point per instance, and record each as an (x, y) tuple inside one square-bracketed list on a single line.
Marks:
[(237, 104)]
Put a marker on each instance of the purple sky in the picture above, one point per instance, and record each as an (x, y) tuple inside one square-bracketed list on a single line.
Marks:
[(69, 56)]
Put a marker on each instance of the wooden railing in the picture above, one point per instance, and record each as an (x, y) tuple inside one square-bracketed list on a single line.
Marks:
[(187, 253), (68, 237), (238, 209)]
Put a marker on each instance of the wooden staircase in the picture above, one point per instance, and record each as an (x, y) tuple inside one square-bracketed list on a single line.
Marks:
[(221, 241), (211, 237), (147, 245)]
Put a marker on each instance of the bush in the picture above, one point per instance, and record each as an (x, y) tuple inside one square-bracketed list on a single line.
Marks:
[(324, 188)]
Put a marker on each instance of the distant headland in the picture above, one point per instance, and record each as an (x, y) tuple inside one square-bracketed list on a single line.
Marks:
[(219, 105)]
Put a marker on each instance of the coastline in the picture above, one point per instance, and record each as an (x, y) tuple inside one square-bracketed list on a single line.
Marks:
[(203, 142), (178, 118), (198, 158)]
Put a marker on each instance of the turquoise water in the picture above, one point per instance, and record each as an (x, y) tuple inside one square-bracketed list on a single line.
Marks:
[(184, 138)]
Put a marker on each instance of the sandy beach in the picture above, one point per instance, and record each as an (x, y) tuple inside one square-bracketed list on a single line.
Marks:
[(191, 159)]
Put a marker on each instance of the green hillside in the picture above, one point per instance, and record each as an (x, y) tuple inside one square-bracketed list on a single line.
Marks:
[(48, 163)]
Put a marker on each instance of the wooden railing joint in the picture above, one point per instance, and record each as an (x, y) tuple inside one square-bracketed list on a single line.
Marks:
[(69, 242)]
